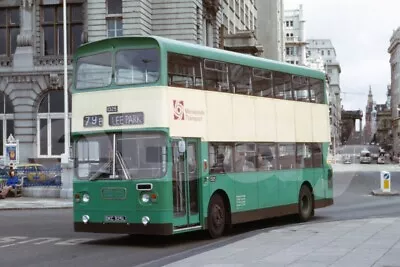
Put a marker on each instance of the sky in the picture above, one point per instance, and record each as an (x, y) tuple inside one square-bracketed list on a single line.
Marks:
[(360, 31)]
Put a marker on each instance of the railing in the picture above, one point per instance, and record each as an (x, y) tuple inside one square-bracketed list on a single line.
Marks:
[(50, 60)]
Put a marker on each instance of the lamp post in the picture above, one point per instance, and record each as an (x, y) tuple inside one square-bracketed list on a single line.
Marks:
[(66, 119)]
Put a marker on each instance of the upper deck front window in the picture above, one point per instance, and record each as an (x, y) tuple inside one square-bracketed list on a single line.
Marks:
[(94, 71), (137, 66)]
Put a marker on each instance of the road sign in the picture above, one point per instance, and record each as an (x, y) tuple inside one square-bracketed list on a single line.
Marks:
[(385, 181)]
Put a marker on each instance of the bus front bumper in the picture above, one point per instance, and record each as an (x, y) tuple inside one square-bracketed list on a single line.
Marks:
[(126, 228)]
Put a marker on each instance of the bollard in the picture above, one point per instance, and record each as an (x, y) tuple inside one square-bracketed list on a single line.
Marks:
[(385, 181)]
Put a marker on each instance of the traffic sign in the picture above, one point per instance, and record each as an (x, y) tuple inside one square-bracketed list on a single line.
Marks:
[(385, 181)]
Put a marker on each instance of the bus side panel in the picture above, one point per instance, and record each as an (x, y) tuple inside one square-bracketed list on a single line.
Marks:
[(289, 186)]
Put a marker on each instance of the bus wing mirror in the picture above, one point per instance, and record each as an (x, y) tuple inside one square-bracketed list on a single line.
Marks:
[(181, 146)]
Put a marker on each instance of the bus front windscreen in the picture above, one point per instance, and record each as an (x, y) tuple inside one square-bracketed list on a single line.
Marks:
[(121, 156), (94, 71)]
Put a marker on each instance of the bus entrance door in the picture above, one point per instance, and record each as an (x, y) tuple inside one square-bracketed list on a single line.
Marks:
[(185, 184)]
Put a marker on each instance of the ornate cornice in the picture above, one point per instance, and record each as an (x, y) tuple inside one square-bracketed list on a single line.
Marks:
[(50, 60), (212, 6)]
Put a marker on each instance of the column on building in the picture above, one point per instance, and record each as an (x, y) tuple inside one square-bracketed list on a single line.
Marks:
[(394, 51)]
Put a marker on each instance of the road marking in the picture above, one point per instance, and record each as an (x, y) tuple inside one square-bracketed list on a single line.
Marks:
[(20, 240), (46, 240), (72, 242)]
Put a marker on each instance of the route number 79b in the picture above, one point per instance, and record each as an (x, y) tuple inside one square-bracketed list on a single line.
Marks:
[(93, 121)]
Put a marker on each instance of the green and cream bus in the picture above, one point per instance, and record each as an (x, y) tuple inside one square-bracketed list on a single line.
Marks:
[(171, 137)]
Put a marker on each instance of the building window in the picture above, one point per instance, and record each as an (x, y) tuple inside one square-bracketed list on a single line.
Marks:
[(50, 124), (6, 120), (114, 18), (329, 52), (52, 27), (9, 30)]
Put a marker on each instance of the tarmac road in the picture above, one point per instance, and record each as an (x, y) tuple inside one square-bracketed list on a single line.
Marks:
[(46, 238)]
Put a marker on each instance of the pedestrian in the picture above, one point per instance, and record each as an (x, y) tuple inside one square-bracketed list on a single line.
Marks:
[(12, 182)]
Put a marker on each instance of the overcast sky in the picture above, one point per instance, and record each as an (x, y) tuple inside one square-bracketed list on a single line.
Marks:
[(360, 31)]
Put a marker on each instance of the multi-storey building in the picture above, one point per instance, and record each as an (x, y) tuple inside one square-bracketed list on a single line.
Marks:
[(394, 51), (295, 40), (384, 127), (239, 15), (323, 48), (239, 27), (31, 55), (270, 28)]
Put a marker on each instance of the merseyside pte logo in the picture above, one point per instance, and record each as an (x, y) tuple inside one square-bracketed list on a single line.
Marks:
[(179, 110)]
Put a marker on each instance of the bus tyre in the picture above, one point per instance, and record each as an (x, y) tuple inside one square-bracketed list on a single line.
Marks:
[(216, 218), (306, 204)]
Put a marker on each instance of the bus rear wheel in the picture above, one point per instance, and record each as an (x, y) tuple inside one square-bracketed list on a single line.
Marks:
[(306, 204), (216, 219)]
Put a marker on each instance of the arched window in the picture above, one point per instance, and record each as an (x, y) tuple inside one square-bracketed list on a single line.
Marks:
[(6, 120), (50, 124)]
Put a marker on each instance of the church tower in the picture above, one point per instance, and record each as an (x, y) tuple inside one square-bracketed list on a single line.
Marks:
[(368, 117)]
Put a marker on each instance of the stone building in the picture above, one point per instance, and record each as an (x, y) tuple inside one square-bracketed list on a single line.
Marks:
[(394, 51), (31, 55), (295, 37), (324, 48)]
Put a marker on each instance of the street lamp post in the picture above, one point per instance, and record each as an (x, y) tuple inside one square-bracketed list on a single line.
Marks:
[(66, 119)]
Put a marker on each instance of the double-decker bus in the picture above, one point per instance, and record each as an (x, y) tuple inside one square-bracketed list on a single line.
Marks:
[(171, 137)]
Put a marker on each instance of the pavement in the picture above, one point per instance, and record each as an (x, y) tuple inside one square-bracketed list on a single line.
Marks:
[(22, 203), (364, 242)]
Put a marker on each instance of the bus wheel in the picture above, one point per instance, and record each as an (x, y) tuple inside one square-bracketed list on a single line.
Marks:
[(216, 219), (306, 204)]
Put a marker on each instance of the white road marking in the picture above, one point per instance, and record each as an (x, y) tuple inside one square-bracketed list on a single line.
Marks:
[(44, 240), (15, 240), (72, 242)]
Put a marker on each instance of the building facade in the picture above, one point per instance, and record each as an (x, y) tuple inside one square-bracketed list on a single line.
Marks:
[(239, 15), (270, 28), (239, 27), (324, 48), (384, 127), (295, 40), (31, 55), (394, 51)]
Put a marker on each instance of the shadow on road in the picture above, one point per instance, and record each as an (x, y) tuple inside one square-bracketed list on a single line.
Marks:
[(238, 232)]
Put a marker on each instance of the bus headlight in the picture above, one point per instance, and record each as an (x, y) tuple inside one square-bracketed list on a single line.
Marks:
[(85, 218), (145, 198), (145, 220), (85, 198)]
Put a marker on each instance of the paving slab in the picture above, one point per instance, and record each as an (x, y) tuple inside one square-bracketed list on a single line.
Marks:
[(367, 242)]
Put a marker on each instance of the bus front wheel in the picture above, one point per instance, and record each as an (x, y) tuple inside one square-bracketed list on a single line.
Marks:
[(216, 219), (306, 204)]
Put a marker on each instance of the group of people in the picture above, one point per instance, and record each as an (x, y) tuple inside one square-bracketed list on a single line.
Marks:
[(12, 181)]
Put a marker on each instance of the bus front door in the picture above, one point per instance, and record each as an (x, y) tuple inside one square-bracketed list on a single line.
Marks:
[(185, 184)]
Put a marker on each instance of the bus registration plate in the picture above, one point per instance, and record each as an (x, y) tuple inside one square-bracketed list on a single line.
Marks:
[(113, 218)]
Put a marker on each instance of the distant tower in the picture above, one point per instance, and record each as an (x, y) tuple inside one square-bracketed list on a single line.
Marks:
[(368, 117)]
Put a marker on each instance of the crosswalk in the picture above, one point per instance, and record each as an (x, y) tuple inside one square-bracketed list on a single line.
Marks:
[(12, 241)]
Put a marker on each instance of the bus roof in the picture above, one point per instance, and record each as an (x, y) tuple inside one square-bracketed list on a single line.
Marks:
[(202, 51)]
